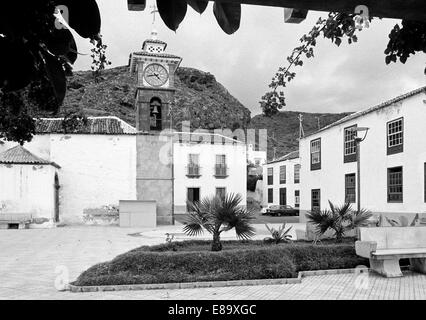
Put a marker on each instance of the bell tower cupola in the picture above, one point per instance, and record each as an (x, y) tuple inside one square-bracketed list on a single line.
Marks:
[(155, 75)]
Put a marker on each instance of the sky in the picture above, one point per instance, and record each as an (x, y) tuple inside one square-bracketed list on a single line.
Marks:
[(338, 79)]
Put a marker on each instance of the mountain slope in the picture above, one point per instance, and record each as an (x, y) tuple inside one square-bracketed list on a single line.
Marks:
[(199, 98)]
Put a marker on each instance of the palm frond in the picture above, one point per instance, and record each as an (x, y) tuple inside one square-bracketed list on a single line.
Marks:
[(360, 218), (322, 220), (193, 225)]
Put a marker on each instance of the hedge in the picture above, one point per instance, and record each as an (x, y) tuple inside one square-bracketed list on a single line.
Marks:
[(158, 264)]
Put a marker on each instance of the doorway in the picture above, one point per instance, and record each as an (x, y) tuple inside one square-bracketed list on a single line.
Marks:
[(193, 195), (283, 196)]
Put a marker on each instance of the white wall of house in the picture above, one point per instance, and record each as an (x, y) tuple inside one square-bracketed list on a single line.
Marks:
[(290, 185), (28, 189), (235, 182), (96, 170), (255, 156), (330, 179)]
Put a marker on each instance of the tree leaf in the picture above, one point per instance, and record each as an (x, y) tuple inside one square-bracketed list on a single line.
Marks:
[(198, 5), (62, 43), (228, 16), (172, 12), (56, 75), (83, 16), (17, 65)]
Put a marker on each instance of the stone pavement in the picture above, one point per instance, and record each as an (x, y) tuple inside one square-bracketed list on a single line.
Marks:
[(32, 263)]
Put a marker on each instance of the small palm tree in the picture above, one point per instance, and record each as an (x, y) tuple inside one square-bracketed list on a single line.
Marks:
[(280, 235), (219, 214), (339, 219)]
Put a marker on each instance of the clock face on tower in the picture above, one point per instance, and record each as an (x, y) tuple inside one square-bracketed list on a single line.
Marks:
[(156, 75)]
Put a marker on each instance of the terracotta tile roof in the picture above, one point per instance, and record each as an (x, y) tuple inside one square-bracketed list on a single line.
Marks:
[(95, 125), (20, 155), (288, 156), (372, 109)]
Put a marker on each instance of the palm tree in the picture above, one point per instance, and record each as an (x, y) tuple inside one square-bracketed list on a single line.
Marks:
[(339, 219), (219, 214)]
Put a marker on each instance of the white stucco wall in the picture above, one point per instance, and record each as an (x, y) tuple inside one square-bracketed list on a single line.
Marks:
[(27, 189), (252, 155), (96, 170), (289, 185), (236, 160), (330, 179)]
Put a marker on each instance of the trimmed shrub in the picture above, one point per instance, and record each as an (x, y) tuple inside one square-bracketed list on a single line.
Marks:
[(246, 260)]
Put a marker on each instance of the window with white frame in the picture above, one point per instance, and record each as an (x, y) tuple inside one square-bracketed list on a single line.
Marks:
[(316, 154), (297, 173), (270, 176), (349, 144), (221, 168), (193, 164), (395, 184), (283, 174), (395, 136)]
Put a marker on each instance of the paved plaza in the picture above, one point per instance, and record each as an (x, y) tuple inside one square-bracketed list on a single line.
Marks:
[(32, 263)]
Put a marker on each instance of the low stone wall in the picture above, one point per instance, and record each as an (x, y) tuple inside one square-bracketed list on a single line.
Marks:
[(104, 216)]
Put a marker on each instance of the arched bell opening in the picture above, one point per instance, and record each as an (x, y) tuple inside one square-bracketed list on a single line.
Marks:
[(155, 114)]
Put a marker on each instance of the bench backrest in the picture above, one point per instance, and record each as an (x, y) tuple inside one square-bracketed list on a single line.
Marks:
[(395, 237)]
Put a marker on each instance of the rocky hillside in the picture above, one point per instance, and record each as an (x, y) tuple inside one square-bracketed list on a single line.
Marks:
[(283, 128), (199, 98)]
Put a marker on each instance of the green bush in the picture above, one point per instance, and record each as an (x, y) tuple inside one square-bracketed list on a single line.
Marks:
[(253, 260)]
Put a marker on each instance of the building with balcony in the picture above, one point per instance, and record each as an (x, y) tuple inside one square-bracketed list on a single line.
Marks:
[(207, 165)]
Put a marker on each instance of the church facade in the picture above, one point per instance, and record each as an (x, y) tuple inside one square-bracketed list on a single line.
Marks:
[(84, 174)]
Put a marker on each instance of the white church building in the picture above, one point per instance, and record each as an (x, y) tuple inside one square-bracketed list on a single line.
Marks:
[(74, 177), (67, 177), (392, 160)]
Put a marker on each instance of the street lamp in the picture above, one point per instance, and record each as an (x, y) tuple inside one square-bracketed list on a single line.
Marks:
[(358, 141)]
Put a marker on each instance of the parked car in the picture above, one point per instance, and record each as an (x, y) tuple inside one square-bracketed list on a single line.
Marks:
[(281, 210)]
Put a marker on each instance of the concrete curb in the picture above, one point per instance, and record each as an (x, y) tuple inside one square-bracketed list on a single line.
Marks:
[(213, 284)]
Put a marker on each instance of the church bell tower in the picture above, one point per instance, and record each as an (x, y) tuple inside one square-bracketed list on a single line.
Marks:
[(155, 74)]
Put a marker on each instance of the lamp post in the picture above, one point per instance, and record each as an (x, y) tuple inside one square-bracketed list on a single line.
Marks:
[(358, 141)]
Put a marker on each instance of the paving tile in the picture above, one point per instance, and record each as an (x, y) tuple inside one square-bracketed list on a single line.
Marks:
[(32, 260)]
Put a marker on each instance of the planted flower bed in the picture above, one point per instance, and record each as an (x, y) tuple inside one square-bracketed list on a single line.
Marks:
[(191, 261)]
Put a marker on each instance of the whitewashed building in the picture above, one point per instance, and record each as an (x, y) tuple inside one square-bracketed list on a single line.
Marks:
[(213, 165), (281, 181), (95, 167), (392, 159), (255, 157), (71, 177)]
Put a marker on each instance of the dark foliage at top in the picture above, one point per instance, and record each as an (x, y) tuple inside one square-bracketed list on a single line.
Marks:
[(36, 53)]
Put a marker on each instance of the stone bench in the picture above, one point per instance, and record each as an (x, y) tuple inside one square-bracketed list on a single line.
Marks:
[(385, 246), (20, 219)]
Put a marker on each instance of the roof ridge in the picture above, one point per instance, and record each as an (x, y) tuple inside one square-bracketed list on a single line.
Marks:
[(365, 111), (20, 155)]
